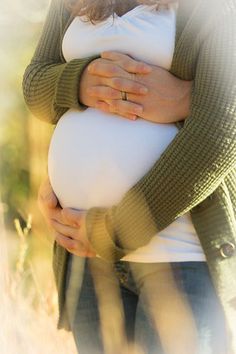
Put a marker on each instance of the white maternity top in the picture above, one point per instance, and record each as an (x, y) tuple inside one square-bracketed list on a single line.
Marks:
[(96, 157)]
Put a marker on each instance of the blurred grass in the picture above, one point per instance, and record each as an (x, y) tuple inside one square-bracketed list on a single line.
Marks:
[(28, 310), (29, 302)]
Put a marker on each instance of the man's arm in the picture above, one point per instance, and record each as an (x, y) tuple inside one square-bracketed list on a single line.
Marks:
[(194, 164), (50, 85)]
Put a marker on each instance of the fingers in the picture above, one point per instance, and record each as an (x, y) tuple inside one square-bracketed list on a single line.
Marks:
[(113, 87), (111, 96), (73, 246), (46, 195), (67, 221), (66, 216), (126, 106), (71, 233), (123, 108), (121, 68), (65, 229), (103, 68), (73, 217), (127, 85), (104, 106), (127, 63), (48, 203), (67, 242), (104, 92)]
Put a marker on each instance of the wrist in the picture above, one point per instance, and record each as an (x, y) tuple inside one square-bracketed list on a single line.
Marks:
[(83, 82), (184, 100), (82, 87)]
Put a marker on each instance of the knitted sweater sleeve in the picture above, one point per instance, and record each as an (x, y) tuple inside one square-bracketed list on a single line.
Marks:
[(193, 165), (50, 85)]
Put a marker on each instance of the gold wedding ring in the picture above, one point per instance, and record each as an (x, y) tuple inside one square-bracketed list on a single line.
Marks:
[(123, 95)]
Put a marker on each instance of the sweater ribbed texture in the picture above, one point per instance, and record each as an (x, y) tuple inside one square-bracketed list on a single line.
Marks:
[(50, 85), (202, 154), (196, 173)]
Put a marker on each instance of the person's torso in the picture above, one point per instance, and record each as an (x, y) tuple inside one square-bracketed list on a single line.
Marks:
[(124, 150), (110, 152), (143, 32)]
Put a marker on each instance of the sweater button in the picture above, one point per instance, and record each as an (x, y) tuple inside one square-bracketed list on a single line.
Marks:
[(227, 250)]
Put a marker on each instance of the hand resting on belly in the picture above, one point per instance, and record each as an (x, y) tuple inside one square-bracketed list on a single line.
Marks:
[(167, 99), (95, 157)]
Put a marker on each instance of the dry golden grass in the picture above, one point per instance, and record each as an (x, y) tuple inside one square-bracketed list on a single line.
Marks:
[(28, 313)]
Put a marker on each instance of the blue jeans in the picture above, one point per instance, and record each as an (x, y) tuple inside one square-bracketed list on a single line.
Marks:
[(142, 297)]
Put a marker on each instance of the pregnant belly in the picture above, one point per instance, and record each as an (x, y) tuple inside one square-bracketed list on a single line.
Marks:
[(95, 158)]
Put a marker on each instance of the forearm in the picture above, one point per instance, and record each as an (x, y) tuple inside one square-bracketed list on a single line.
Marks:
[(50, 85), (183, 101), (191, 168), (50, 89)]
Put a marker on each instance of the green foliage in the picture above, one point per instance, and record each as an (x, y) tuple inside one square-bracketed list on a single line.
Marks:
[(19, 37), (14, 167)]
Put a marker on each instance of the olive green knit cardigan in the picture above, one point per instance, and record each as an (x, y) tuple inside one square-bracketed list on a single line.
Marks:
[(196, 173)]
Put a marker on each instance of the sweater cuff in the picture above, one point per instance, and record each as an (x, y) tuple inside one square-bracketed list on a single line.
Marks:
[(100, 235), (67, 91)]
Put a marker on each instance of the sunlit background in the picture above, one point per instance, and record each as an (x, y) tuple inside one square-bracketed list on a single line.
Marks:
[(28, 307)]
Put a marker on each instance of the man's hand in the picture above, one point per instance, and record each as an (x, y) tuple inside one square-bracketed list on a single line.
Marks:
[(167, 99), (68, 225)]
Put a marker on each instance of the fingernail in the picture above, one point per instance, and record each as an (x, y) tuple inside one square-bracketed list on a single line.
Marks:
[(133, 117)]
